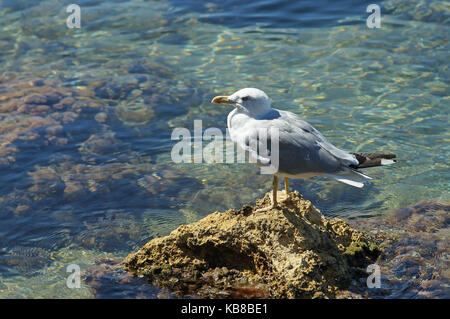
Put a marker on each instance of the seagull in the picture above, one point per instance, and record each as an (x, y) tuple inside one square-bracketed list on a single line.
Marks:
[(303, 152)]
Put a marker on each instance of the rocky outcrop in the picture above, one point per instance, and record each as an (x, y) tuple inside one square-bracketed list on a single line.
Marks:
[(289, 252)]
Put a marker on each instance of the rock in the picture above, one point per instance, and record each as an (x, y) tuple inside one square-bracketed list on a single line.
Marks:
[(137, 114), (101, 117), (35, 99), (73, 189), (116, 88), (289, 252), (148, 67), (54, 129), (99, 144), (45, 181), (65, 102)]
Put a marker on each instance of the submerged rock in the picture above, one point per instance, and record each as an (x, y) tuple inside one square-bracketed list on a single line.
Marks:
[(24, 260), (429, 11), (99, 144), (36, 113), (116, 231), (290, 252), (415, 244), (105, 276)]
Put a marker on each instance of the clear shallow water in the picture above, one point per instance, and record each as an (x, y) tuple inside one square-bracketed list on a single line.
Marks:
[(90, 175)]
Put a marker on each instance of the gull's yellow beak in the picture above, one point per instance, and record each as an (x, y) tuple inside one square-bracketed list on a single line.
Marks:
[(222, 100)]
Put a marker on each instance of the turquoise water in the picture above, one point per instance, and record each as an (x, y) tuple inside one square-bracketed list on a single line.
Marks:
[(86, 117)]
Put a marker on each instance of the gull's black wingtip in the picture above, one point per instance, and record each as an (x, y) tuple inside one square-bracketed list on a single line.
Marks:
[(374, 159)]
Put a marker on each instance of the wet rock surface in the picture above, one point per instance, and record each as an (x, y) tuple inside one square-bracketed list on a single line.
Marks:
[(290, 252)]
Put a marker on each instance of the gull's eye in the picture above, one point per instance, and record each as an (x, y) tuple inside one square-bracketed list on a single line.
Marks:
[(245, 98)]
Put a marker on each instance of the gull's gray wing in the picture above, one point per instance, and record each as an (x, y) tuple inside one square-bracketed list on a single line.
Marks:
[(302, 148), (302, 138)]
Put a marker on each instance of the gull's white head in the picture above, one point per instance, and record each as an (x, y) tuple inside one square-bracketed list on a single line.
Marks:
[(249, 100)]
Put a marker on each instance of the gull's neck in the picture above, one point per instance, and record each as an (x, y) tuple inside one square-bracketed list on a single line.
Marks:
[(242, 114), (255, 111)]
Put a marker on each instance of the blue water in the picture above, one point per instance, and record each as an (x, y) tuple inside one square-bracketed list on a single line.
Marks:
[(275, 14), (88, 174)]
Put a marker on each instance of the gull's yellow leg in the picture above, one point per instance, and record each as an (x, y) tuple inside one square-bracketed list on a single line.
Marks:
[(286, 190), (274, 196), (286, 187), (275, 190)]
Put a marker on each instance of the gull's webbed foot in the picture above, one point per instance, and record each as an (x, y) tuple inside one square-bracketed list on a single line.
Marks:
[(265, 209), (284, 198)]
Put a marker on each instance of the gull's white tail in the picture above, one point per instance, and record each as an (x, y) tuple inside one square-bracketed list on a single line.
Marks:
[(351, 177)]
